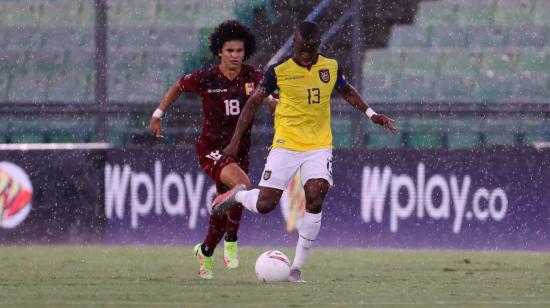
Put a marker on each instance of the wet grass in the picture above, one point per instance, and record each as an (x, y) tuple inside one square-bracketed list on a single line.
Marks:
[(63, 276)]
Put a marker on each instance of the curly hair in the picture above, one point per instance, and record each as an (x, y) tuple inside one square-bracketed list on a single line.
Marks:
[(231, 30)]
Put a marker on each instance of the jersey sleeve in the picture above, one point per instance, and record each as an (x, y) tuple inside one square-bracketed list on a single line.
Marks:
[(269, 83), (340, 79), (190, 83)]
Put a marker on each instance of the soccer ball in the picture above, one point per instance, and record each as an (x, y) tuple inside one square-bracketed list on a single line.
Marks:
[(272, 266)]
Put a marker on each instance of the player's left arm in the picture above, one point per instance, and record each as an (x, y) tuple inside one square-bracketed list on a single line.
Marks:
[(350, 94)]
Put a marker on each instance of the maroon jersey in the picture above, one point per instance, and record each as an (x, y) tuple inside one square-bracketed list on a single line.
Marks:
[(222, 103)]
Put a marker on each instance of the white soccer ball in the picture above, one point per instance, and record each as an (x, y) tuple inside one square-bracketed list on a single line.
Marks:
[(272, 266)]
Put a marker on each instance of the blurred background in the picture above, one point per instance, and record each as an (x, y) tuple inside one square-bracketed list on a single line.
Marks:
[(457, 74)]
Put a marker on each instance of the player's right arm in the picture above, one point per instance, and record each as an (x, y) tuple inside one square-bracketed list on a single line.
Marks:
[(247, 114), (188, 83), (169, 97)]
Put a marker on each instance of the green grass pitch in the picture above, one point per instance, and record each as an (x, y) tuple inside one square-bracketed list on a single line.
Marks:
[(149, 276)]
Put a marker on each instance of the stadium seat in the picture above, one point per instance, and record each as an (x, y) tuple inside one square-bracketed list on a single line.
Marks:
[(117, 81), (86, 13), (75, 86), (527, 36), (409, 36), (19, 89), (378, 88), (82, 59), (156, 86), (513, 12), (425, 140), (132, 37), (383, 62), (460, 62), (534, 60), (425, 133), (4, 83), (73, 131), (414, 88), (531, 86), (534, 130), (163, 59), (499, 63), (85, 38), (27, 130), (449, 37), (183, 38), (378, 139), (13, 60), (453, 88), (500, 139), (60, 36), (341, 132), (118, 130), (191, 61), (421, 62), (463, 133), (436, 13), (48, 60), (541, 13), (27, 37), (21, 13), (131, 12), (195, 13), (174, 12), (61, 13), (27, 137), (67, 136), (476, 13), (463, 140), (130, 59), (492, 89), (487, 37)]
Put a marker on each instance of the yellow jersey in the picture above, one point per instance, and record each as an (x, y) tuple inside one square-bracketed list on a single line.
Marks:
[(302, 116)]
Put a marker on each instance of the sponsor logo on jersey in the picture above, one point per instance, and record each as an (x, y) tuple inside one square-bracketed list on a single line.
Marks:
[(15, 195), (267, 175), (293, 77), (249, 88), (324, 75), (216, 90)]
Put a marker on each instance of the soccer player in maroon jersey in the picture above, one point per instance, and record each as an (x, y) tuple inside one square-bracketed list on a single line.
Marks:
[(224, 90)]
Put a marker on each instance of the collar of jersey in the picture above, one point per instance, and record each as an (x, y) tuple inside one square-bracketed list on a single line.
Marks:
[(307, 67)]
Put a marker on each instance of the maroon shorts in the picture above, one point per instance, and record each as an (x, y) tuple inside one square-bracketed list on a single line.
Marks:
[(212, 162)]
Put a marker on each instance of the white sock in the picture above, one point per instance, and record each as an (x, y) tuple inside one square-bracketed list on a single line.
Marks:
[(248, 198), (307, 234)]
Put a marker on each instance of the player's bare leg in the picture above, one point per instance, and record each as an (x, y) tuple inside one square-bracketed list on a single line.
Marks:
[(315, 191), (262, 200), (232, 175)]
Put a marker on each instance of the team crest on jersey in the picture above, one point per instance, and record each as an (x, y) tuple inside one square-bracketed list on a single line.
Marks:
[(324, 75), (249, 88), (267, 175)]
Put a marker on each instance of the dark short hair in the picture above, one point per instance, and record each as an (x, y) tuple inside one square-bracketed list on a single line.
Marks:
[(231, 30), (309, 30)]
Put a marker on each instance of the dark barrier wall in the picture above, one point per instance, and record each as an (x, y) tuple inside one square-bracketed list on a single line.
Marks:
[(494, 199), (66, 190)]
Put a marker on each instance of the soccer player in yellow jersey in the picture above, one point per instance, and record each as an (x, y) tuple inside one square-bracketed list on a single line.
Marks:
[(303, 137)]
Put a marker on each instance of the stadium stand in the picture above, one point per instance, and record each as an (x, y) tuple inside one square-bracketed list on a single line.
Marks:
[(489, 53), (485, 52), (51, 45)]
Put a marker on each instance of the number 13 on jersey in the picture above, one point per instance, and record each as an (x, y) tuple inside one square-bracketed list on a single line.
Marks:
[(232, 107)]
